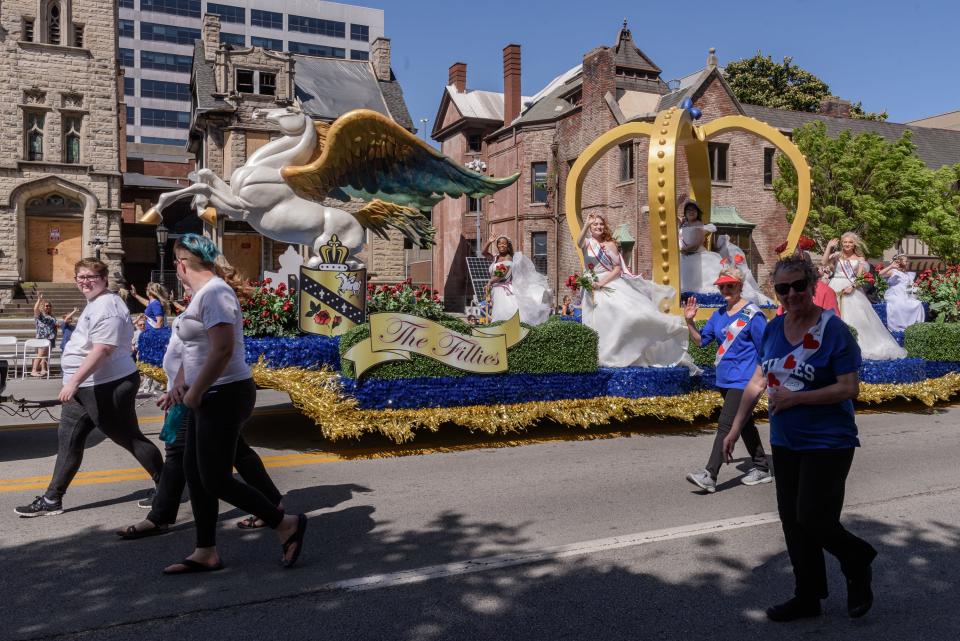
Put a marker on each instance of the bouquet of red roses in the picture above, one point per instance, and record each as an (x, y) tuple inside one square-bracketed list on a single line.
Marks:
[(500, 270), (866, 278), (587, 281)]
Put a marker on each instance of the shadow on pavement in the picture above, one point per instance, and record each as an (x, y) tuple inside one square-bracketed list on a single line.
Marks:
[(701, 589)]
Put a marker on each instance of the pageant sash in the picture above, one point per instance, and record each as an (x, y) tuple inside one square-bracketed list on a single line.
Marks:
[(781, 370), (737, 325)]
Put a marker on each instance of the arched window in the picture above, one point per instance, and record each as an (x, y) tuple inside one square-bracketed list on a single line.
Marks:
[(53, 23), (54, 204), (34, 134), (71, 139)]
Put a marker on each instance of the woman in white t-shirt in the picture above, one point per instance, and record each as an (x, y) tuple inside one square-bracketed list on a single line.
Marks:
[(100, 382), (215, 382)]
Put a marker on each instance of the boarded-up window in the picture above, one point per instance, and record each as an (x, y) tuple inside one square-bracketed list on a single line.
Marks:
[(255, 140)]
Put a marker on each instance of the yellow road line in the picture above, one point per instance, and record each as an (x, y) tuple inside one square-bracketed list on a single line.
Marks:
[(101, 477)]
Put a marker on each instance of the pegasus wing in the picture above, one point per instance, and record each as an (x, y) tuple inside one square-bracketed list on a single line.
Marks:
[(368, 156)]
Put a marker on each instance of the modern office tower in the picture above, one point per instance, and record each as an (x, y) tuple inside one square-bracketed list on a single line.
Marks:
[(156, 48)]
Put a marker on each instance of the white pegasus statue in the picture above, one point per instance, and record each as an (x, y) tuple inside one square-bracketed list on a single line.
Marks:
[(280, 189)]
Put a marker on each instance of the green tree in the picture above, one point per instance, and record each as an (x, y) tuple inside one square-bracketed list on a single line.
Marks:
[(761, 81), (939, 224), (782, 85), (861, 183)]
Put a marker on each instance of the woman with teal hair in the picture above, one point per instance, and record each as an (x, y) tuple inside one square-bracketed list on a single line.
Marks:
[(217, 385)]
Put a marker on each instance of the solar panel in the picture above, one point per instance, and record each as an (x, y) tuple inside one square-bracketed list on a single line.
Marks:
[(478, 268)]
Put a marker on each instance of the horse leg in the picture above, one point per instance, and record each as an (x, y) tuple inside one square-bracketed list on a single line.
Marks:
[(169, 197)]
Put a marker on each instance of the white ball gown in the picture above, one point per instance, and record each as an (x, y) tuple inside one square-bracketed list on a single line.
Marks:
[(751, 289), (903, 309), (625, 315), (699, 268), (523, 290), (875, 341)]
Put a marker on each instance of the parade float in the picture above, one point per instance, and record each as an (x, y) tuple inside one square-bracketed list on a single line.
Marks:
[(388, 360)]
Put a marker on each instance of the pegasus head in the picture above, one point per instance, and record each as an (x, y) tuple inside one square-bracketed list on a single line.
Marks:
[(290, 119)]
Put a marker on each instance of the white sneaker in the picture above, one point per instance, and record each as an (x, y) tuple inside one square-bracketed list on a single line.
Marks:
[(703, 480), (756, 476)]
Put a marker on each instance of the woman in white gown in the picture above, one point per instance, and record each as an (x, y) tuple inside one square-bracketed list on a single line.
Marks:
[(698, 267), (903, 308), (624, 309), (875, 341), (519, 288)]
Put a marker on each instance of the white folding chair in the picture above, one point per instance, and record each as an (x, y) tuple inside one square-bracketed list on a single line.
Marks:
[(35, 344), (8, 348)]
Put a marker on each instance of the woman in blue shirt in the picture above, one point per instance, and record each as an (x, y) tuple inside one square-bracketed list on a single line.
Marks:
[(156, 304), (737, 328), (809, 363)]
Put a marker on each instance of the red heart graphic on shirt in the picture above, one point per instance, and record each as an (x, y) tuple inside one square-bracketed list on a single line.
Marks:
[(772, 380), (741, 323), (809, 342), (790, 362), (729, 336), (721, 349)]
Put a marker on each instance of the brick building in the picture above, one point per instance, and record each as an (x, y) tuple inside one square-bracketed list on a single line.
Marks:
[(59, 153), (229, 83), (541, 137)]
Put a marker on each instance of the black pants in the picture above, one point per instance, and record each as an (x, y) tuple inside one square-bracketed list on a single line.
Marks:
[(173, 478), (111, 408), (810, 488), (209, 454), (749, 435)]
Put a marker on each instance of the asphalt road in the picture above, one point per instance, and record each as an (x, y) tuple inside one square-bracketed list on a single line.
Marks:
[(554, 539)]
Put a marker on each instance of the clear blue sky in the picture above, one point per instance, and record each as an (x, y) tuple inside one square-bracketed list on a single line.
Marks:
[(898, 56)]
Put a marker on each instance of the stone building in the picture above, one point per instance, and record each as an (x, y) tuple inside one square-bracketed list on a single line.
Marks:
[(540, 137), (61, 143), (230, 83)]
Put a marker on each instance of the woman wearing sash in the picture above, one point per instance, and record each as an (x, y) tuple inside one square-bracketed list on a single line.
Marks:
[(738, 328), (516, 286), (809, 365), (875, 341), (903, 308), (698, 267), (624, 309)]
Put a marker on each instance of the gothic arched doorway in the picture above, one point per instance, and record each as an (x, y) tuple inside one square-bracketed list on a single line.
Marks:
[(54, 237)]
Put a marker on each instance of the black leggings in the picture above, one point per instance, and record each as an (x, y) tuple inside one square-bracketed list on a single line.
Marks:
[(111, 408), (749, 435), (810, 489), (209, 454), (173, 478)]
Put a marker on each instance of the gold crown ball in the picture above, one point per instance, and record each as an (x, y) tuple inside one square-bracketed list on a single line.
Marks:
[(334, 252)]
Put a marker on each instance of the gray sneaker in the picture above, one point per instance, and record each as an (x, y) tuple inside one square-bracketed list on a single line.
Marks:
[(756, 476), (703, 480)]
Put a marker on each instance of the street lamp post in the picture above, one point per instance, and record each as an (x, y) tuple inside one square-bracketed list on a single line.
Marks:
[(423, 127), (98, 244), (162, 235), (480, 167)]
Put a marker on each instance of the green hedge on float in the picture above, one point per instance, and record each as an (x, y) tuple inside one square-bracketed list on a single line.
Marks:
[(933, 341), (555, 346)]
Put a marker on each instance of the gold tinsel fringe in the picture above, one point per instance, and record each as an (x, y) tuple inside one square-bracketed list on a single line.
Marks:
[(317, 394)]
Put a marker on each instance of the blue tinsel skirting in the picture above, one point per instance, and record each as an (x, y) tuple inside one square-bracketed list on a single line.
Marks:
[(308, 352), (314, 352)]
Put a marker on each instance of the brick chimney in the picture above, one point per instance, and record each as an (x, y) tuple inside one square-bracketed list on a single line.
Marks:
[(380, 58), (457, 76), (511, 83), (211, 35), (834, 106)]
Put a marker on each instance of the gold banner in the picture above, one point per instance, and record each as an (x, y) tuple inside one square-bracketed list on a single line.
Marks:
[(394, 337)]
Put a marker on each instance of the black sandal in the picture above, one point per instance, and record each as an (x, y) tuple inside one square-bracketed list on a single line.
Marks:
[(193, 567), (295, 539), (131, 532), (251, 523)]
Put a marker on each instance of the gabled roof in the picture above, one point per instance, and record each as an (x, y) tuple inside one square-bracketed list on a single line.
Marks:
[(476, 104), (327, 87), (690, 85), (627, 54), (935, 147)]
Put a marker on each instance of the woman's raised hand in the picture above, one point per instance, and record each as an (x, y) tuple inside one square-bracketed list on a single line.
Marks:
[(690, 308)]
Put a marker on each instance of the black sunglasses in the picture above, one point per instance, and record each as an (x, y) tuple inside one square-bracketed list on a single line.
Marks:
[(798, 286)]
